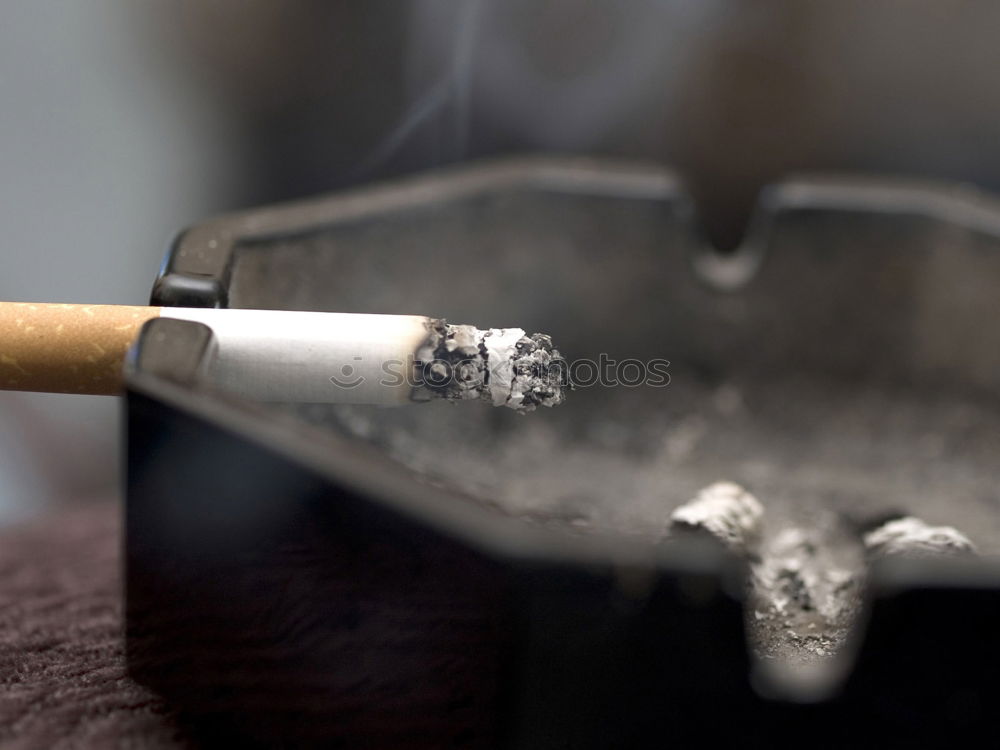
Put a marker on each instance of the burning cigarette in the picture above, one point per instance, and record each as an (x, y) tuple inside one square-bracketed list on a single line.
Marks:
[(273, 355)]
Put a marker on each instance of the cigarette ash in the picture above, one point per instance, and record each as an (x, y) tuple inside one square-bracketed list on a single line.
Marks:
[(907, 536), (801, 594), (724, 511), (806, 582), (805, 593), (619, 461), (501, 365)]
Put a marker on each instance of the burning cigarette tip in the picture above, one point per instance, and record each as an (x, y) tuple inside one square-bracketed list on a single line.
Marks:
[(503, 366)]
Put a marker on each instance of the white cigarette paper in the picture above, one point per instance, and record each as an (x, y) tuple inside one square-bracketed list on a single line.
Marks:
[(272, 355)]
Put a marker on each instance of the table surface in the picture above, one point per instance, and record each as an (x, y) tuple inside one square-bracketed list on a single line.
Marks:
[(63, 681)]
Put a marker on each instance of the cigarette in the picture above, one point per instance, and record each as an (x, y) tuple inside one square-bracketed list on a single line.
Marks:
[(286, 356)]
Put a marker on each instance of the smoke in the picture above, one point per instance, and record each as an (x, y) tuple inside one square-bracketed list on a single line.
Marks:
[(453, 90)]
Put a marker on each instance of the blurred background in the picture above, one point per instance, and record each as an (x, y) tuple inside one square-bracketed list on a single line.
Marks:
[(123, 122)]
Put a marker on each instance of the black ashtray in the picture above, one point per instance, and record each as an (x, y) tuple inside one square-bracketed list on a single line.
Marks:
[(444, 575)]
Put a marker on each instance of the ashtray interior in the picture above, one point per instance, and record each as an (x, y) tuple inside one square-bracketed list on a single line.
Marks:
[(842, 366)]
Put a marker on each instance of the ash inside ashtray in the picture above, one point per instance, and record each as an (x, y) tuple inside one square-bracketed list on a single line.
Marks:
[(812, 453)]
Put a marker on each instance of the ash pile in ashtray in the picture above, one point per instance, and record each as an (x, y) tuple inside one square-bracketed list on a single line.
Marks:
[(504, 366), (910, 537), (820, 458), (804, 592)]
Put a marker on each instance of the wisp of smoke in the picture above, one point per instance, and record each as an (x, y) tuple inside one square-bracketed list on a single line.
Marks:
[(454, 87)]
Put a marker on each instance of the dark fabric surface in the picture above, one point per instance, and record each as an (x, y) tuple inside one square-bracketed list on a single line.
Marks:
[(62, 668)]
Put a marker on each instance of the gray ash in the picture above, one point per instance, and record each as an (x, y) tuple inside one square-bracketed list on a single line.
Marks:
[(541, 377), (501, 365), (452, 364), (724, 511), (619, 461), (805, 592), (912, 537), (802, 594)]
